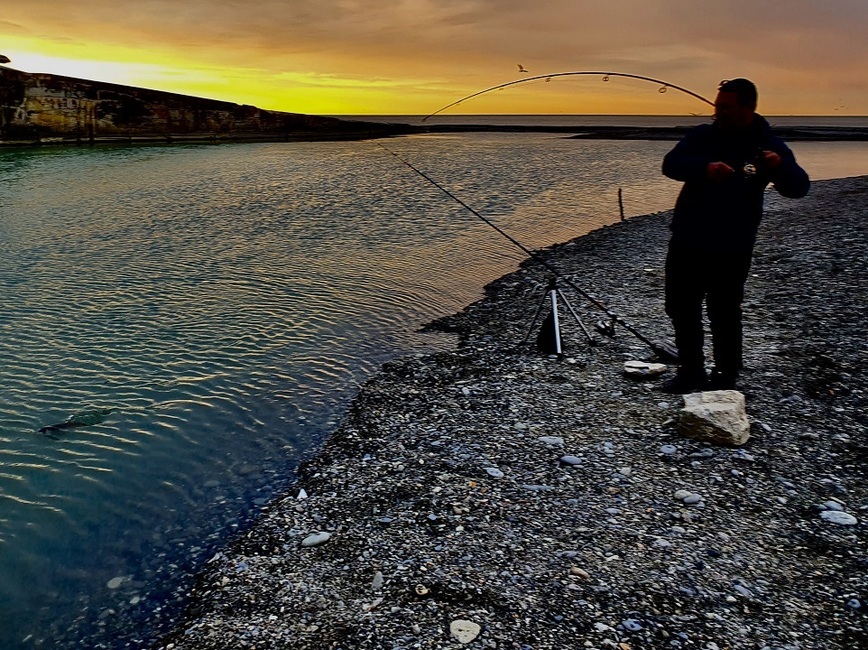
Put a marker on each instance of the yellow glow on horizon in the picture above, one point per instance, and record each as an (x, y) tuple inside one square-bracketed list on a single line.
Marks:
[(325, 93)]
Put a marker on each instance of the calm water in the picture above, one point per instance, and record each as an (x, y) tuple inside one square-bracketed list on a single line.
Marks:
[(212, 310)]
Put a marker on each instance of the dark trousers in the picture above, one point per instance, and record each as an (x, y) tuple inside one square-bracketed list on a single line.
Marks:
[(717, 278)]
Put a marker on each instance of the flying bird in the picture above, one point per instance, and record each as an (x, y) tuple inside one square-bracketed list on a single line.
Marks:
[(521, 68)]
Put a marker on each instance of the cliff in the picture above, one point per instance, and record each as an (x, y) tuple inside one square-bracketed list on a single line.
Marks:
[(47, 108)]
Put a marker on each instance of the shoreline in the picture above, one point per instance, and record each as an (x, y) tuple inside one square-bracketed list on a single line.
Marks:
[(373, 130), (445, 498)]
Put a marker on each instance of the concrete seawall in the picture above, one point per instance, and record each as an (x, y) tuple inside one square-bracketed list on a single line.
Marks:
[(52, 109)]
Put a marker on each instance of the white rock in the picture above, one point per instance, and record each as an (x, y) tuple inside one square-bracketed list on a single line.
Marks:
[(838, 517), (316, 539), (640, 369), (302, 494), (717, 417), (114, 583), (494, 472), (554, 441), (464, 631)]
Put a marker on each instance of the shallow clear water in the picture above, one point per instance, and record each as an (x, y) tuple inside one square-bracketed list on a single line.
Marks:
[(213, 309)]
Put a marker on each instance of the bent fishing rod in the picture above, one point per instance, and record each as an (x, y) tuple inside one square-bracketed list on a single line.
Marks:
[(664, 85), (661, 349)]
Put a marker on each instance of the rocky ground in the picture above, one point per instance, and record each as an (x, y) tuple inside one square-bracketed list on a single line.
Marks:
[(495, 497)]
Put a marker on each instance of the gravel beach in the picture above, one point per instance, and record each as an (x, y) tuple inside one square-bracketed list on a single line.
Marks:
[(495, 497)]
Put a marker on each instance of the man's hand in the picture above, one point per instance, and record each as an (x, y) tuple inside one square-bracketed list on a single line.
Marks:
[(770, 160), (718, 171)]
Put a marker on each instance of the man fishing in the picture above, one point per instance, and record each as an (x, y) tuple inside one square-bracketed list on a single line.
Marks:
[(725, 168)]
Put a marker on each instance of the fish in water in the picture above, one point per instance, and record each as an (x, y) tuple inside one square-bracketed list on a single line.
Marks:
[(81, 419)]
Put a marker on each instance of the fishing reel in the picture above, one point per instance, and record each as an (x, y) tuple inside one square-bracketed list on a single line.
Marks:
[(754, 165)]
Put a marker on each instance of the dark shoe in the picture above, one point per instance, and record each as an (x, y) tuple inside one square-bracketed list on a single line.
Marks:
[(722, 380), (683, 383)]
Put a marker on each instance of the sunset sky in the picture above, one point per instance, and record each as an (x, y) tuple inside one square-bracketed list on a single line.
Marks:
[(414, 56)]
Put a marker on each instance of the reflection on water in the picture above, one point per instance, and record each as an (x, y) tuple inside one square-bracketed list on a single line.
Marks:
[(200, 316)]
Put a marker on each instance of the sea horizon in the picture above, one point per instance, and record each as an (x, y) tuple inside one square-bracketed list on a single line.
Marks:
[(600, 119)]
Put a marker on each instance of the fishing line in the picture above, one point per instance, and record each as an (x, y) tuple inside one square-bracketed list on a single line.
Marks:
[(663, 85), (663, 350)]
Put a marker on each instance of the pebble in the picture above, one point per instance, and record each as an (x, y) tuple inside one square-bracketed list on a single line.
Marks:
[(833, 505), (631, 625), (571, 460), (578, 571), (464, 631), (114, 583), (316, 539), (552, 441), (668, 450), (839, 517), (494, 472), (377, 582)]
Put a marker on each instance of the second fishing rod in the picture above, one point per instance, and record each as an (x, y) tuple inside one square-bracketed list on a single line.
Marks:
[(662, 349)]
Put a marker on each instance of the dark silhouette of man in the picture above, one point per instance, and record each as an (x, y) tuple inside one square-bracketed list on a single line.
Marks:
[(725, 168)]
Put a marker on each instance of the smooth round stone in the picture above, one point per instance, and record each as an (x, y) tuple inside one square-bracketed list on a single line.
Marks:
[(668, 450), (833, 505), (692, 499), (554, 441), (631, 625), (464, 631), (494, 472), (571, 460), (838, 517), (680, 495), (854, 603), (316, 539), (744, 591), (114, 583)]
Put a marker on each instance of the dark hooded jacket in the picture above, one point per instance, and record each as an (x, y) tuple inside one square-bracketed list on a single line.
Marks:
[(723, 216)]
